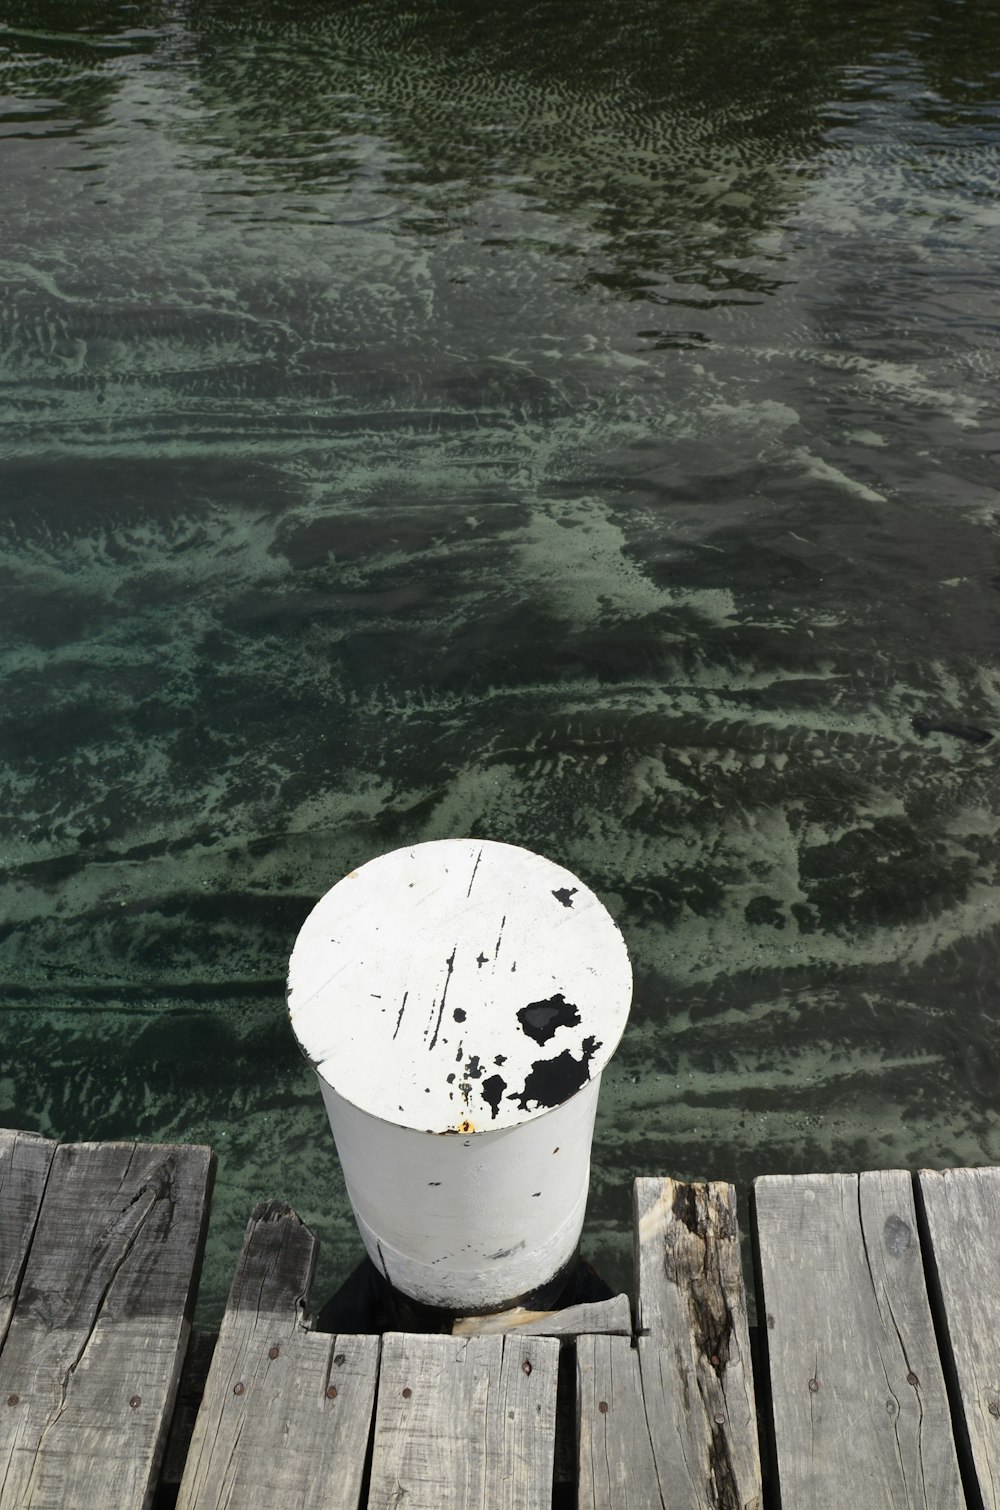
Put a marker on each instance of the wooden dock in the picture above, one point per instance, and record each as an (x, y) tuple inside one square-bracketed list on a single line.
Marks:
[(874, 1383)]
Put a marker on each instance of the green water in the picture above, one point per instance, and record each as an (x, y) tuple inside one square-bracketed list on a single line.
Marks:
[(569, 424)]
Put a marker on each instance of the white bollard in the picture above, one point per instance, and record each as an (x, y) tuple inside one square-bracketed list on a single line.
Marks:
[(459, 1001)]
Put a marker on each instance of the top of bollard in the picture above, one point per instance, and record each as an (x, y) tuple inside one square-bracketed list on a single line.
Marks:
[(459, 986)]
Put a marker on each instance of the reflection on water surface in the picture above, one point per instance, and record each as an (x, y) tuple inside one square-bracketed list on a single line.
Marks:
[(573, 426)]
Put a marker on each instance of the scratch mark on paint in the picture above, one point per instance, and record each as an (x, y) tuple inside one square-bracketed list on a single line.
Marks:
[(503, 924), (506, 1252), (400, 1017), (481, 960), (474, 869), (450, 962)]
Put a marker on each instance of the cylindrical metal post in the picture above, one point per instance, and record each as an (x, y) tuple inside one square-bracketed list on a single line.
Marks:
[(459, 1001)]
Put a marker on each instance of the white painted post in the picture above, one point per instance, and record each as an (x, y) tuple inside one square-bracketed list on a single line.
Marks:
[(459, 1001)]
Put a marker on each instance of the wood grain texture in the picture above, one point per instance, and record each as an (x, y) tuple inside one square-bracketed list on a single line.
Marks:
[(92, 1356), (962, 1212), (465, 1423), (694, 1344), (616, 1468), (25, 1160), (287, 1412), (614, 1316), (521, 1426), (861, 1417)]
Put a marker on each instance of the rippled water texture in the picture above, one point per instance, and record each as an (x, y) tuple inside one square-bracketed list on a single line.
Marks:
[(571, 424)]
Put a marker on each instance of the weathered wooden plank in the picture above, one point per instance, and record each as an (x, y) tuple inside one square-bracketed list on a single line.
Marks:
[(91, 1360), (287, 1412), (860, 1412), (25, 1160), (694, 1344), (521, 1427), (616, 1468), (611, 1316), (962, 1211), (465, 1423)]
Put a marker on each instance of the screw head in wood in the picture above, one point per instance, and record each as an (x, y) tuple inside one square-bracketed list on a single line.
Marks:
[(603, 1407), (407, 1392), (272, 1352), (135, 1402), (814, 1385), (239, 1389), (331, 1393), (13, 1399)]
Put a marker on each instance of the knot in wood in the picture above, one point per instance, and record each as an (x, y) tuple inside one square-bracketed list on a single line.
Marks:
[(994, 1408), (339, 1360), (526, 1366)]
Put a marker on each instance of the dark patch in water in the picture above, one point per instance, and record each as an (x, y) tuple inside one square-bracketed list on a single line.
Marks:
[(968, 732)]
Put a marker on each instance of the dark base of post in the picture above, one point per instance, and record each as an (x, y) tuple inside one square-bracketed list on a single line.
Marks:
[(366, 1303)]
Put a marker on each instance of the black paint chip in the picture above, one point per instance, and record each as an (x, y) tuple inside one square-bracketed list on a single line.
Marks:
[(541, 1019), (565, 895), (493, 1090), (550, 1082)]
